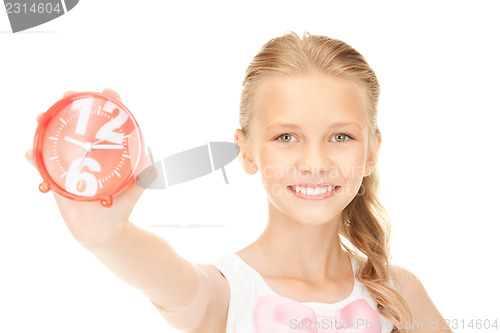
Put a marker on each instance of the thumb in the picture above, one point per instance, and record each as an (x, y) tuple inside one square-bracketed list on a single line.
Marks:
[(148, 172), (29, 157), (146, 175)]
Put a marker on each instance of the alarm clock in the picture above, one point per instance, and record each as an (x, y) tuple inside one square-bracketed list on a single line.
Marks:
[(87, 147)]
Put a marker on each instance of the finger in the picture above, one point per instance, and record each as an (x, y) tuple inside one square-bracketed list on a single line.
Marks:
[(148, 172), (29, 157), (110, 92), (145, 177), (39, 116), (66, 94), (146, 162), (69, 93)]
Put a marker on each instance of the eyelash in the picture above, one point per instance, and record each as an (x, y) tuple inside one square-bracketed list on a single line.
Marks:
[(346, 134)]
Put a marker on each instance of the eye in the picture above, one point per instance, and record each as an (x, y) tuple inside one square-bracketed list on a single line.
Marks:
[(343, 137), (287, 137)]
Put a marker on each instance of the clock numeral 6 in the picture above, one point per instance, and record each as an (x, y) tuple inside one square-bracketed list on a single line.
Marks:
[(84, 107), (82, 183)]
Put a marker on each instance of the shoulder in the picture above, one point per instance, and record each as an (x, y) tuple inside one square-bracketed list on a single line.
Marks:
[(405, 282), (207, 309), (409, 286), (423, 310)]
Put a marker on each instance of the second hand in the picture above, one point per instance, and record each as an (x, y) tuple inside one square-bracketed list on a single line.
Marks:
[(83, 159)]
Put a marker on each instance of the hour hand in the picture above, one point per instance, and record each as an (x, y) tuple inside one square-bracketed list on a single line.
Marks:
[(76, 142)]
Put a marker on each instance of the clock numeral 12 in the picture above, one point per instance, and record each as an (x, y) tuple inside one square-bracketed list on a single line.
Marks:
[(74, 177), (84, 106), (106, 131)]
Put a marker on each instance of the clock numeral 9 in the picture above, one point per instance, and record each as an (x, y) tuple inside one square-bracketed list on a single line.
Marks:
[(74, 178)]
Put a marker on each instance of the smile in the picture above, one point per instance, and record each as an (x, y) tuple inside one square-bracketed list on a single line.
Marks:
[(313, 192)]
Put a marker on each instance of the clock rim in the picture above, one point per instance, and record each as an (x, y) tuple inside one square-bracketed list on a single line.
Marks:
[(38, 148)]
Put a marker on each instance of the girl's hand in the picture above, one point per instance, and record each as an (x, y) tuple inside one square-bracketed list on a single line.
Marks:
[(90, 222)]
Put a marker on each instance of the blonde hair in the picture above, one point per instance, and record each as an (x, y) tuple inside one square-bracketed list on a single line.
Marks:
[(364, 222)]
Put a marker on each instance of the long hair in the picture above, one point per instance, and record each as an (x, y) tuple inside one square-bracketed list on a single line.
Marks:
[(364, 228)]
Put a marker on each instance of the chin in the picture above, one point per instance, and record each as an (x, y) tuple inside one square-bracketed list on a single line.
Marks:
[(314, 220)]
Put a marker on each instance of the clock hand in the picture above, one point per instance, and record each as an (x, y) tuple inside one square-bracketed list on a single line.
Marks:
[(107, 147), (106, 138), (97, 147), (83, 159), (76, 142), (85, 145)]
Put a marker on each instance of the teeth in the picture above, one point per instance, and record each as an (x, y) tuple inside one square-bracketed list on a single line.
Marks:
[(313, 191)]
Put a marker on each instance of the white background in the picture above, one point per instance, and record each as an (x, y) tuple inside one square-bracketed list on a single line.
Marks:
[(179, 68)]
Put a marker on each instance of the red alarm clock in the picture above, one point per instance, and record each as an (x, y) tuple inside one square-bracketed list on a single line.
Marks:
[(88, 147)]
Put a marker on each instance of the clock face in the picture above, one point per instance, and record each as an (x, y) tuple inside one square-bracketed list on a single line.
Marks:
[(88, 146)]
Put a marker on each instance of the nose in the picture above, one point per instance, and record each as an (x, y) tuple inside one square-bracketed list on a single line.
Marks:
[(315, 160)]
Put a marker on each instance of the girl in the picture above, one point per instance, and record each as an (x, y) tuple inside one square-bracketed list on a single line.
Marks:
[(308, 121)]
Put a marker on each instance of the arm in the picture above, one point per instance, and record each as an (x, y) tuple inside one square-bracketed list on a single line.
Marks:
[(147, 262), (179, 290), (421, 306), (188, 296)]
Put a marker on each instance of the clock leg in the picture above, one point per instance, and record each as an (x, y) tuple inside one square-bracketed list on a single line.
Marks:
[(44, 187), (107, 202)]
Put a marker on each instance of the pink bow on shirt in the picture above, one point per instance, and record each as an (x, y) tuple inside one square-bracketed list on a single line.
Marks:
[(276, 314)]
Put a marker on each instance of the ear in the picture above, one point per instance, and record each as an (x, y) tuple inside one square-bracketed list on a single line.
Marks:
[(371, 161), (245, 157)]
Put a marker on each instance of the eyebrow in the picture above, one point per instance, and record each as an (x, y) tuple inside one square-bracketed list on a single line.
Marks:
[(337, 124)]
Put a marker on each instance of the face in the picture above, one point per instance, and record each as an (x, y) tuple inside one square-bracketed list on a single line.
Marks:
[(308, 136)]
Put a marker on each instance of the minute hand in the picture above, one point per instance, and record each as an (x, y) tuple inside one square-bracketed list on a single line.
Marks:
[(107, 147), (106, 139)]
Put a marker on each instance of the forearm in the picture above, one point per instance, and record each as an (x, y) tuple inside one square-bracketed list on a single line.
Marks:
[(149, 263)]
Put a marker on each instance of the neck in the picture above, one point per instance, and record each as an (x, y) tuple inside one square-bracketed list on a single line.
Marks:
[(302, 251)]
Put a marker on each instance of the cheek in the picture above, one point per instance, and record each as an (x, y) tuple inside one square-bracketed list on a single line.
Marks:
[(353, 167), (274, 170), (352, 174), (347, 166)]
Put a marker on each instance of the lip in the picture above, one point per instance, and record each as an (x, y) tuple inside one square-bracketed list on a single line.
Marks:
[(313, 185), (313, 197)]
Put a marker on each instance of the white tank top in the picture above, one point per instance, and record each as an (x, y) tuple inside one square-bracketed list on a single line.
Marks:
[(245, 308)]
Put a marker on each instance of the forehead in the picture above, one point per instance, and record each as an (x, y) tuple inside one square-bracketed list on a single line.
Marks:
[(308, 100)]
